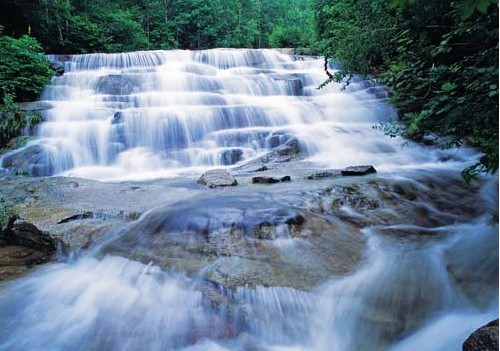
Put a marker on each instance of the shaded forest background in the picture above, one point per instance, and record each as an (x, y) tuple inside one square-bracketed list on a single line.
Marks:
[(439, 58), (80, 26)]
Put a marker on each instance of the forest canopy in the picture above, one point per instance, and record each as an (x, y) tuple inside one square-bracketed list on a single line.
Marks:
[(81, 26), (439, 58)]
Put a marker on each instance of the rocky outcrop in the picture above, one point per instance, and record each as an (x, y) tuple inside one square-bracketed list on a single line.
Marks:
[(324, 174), (58, 62), (234, 241), (358, 170), (32, 160), (217, 178), (35, 106), (483, 339), (22, 233)]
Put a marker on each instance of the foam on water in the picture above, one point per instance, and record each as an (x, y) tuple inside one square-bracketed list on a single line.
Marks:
[(403, 296), (155, 113)]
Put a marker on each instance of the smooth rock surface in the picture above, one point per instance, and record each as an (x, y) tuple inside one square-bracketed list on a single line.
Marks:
[(217, 178)]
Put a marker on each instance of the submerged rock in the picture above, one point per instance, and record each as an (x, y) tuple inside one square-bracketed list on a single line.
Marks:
[(324, 174), (117, 118), (216, 178), (231, 156), (358, 170), (35, 106), (483, 339), (33, 160), (270, 180), (260, 169), (115, 84), (258, 238)]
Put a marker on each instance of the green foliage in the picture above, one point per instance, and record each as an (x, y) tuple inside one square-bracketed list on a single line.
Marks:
[(440, 62), (23, 73), (81, 26), (6, 214), (23, 69), (393, 129)]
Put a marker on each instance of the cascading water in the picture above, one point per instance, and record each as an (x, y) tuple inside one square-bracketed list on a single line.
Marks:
[(422, 257), (150, 114)]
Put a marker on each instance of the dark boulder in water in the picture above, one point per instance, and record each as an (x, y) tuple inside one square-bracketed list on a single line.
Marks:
[(117, 118), (216, 178), (483, 339), (358, 170), (21, 233), (270, 180), (231, 156), (33, 160)]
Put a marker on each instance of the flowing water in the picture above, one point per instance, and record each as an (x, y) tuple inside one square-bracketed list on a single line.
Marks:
[(154, 114), (147, 115)]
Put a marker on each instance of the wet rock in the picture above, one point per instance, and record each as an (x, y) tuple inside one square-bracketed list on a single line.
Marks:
[(483, 339), (33, 160), (380, 92), (231, 156), (237, 271), (430, 139), (278, 138), (286, 152), (260, 169), (35, 106), (117, 118), (17, 260), (294, 83), (291, 147), (358, 170), (58, 62), (217, 178), (324, 174), (21, 233), (115, 84), (270, 180), (192, 236)]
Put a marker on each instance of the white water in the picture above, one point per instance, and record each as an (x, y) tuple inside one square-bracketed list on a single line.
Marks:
[(118, 304), (160, 113), (179, 112)]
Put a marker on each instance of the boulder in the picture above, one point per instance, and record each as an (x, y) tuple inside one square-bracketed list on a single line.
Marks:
[(270, 180), (231, 156), (358, 170), (278, 138), (290, 147), (33, 160), (216, 178), (21, 233), (483, 339), (58, 62), (324, 174)]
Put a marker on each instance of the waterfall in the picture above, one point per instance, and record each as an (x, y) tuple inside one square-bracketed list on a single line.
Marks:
[(151, 114), (404, 260)]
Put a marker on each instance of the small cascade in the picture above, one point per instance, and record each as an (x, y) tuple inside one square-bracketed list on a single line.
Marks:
[(148, 114)]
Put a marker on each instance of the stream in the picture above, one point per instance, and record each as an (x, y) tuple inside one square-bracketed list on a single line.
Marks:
[(399, 260)]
